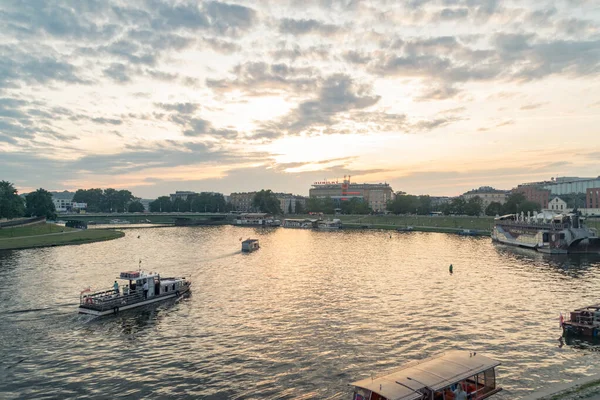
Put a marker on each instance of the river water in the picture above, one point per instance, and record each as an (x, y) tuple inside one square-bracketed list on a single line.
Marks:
[(302, 317)]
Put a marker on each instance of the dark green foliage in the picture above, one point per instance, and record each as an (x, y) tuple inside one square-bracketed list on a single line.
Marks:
[(39, 204), (355, 206), (474, 206), (181, 205), (513, 201), (205, 202), (493, 209), (266, 201), (299, 207), (404, 204), (162, 204), (11, 204), (135, 206), (109, 200), (529, 206)]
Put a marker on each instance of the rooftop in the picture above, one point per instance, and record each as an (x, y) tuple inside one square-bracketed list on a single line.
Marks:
[(435, 372)]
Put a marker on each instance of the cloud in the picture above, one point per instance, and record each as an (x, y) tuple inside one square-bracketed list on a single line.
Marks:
[(451, 14), (307, 26), (261, 78), (118, 72), (338, 93), (181, 108), (441, 92), (107, 121), (531, 106)]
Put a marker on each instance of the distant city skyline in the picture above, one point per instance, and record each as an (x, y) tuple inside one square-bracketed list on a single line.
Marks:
[(433, 97)]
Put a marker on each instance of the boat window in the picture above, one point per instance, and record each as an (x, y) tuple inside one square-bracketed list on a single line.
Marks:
[(562, 236), (173, 286), (490, 378), (166, 289)]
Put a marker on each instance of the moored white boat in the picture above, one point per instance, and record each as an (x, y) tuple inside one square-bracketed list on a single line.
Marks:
[(551, 234), (132, 294), (329, 225)]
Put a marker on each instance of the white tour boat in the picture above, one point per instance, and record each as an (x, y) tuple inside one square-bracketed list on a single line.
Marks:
[(451, 375), (132, 293)]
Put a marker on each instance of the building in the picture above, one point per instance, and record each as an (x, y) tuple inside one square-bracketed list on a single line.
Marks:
[(487, 194), (183, 195), (535, 194), (592, 198), (567, 185), (63, 205), (558, 205), (242, 201), (376, 195)]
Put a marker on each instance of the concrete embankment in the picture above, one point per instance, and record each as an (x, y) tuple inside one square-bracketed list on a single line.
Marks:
[(584, 388)]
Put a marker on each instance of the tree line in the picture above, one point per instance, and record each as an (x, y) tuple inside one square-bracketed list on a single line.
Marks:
[(197, 202), (108, 200), (35, 204)]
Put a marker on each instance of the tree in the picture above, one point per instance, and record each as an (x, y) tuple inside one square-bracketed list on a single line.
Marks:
[(40, 204), (181, 205), (11, 204), (513, 202), (529, 206), (355, 206), (314, 204), (136, 206), (328, 205), (299, 207), (267, 202), (94, 198), (458, 205), (162, 204), (404, 204), (494, 208), (474, 206)]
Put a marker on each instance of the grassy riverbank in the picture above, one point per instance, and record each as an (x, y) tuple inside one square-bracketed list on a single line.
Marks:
[(422, 223), (44, 235)]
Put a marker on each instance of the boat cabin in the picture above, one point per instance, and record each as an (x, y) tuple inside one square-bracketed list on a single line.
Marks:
[(584, 321), (250, 245), (441, 377)]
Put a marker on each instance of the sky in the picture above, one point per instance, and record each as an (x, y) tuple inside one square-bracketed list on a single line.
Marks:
[(432, 96)]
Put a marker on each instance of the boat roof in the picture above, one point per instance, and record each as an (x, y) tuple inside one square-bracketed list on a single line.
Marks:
[(135, 275), (435, 373), (250, 240)]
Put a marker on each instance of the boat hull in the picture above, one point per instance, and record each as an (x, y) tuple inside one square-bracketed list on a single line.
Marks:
[(115, 310), (547, 240)]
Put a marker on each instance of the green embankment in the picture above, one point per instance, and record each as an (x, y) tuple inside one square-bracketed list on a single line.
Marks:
[(43, 235), (33, 230), (418, 222)]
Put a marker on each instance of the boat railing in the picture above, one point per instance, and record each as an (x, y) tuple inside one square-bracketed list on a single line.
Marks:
[(540, 225), (109, 299)]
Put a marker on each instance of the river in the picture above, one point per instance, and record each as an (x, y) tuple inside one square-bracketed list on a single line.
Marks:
[(302, 317)]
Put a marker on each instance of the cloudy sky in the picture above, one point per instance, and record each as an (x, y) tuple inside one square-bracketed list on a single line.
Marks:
[(433, 96)]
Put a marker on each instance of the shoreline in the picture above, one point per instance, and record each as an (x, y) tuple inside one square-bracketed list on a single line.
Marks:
[(587, 387), (53, 240)]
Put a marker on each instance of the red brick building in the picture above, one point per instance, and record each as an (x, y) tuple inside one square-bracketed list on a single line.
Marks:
[(535, 194), (592, 197)]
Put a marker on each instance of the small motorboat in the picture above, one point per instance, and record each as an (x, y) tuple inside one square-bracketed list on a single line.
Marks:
[(454, 374), (250, 245), (583, 322), (141, 288)]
